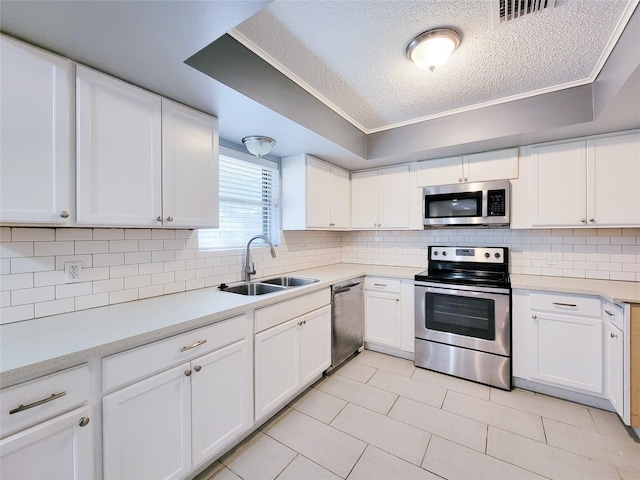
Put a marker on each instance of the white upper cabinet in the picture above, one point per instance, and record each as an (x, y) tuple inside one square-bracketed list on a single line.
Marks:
[(142, 160), (315, 194), (189, 167), (384, 199), (119, 157), (478, 167), (586, 183), (36, 155)]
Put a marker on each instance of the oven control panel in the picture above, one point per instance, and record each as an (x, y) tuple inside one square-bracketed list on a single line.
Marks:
[(468, 254)]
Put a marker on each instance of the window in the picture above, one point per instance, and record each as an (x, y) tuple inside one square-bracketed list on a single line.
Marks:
[(249, 189)]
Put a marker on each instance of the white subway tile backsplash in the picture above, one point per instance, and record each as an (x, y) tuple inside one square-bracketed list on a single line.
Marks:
[(137, 257), (137, 234), (16, 249), (108, 234), (16, 314), (70, 290), (32, 264), (16, 281), (152, 291), (150, 268), (121, 296), (150, 245), (5, 266), (111, 285), (137, 282), (32, 295), (123, 271), (87, 260), (66, 234), (174, 287), (174, 244), (5, 299), (108, 259), (5, 234), (92, 301), (162, 256), (89, 247), (117, 246), (96, 273), (20, 234), (163, 234), (161, 278), (45, 249), (54, 307)]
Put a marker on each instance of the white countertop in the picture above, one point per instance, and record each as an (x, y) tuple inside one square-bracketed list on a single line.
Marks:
[(44, 345)]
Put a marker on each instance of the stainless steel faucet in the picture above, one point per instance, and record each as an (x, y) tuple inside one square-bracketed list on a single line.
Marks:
[(249, 266)]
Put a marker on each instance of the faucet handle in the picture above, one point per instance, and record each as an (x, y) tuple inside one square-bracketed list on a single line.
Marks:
[(252, 270)]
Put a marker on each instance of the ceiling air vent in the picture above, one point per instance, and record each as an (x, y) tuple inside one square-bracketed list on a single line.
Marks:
[(504, 11)]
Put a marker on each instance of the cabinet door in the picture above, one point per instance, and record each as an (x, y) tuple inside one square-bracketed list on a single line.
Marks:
[(340, 198), (394, 197), (189, 167), (613, 177), (382, 314), (118, 152), (315, 344), (221, 399), (364, 200), (147, 428), (440, 171), (59, 449), (36, 169), (277, 367), (558, 188), (614, 379), (567, 351), (318, 193), (489, 166)]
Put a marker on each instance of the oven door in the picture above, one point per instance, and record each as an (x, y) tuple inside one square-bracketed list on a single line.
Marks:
[(469, 317)]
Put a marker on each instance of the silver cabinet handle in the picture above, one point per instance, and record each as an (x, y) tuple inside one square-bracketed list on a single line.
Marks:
[(397, 299), (197, 344), (197, 368), (380, 284), (592, 220), (187, 373), (64, 214), (559, 304), (613, 335), (583, 220), (158, 218), (332, 224), (535, 317), (465, 179), (608, 313), (84, 421), (169, 219), (459, 179), (22, 408)]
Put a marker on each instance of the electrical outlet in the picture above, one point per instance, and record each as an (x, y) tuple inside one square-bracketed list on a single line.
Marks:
[(552, 259), (72, 272)]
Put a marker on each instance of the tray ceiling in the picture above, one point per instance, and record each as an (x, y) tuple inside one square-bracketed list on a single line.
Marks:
[(351, 55)]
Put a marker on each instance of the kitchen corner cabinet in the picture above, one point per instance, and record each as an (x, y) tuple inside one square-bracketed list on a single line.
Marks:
[(142, 161), (478, 167), (315, 194), (167, 424), (292, 349), (49, 428), (617, 357), (591, 183), (383, 199), (36, 118)]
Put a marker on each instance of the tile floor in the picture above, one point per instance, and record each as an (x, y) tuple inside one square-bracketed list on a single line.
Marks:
[(379, 417)]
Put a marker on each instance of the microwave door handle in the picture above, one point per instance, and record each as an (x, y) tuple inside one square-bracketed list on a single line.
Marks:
[(485, 203)]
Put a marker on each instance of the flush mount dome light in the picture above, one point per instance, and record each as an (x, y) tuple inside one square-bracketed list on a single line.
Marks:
[(258, 145), (432, 48)]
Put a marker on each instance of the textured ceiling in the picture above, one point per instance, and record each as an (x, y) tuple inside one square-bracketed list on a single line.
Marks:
[(351, 55)]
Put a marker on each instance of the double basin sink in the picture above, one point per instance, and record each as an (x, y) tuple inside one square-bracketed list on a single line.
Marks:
[(270, 285)]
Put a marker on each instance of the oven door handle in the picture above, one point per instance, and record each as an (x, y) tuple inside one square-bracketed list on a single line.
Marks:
[(464, 288)]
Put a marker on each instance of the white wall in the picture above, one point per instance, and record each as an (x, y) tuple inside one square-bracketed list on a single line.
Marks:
[(121, 265)]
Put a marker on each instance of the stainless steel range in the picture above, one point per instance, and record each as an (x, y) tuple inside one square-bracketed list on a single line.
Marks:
[(463, 314)]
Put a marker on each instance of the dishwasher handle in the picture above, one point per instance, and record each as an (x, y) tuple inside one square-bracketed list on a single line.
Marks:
[(344, 288)]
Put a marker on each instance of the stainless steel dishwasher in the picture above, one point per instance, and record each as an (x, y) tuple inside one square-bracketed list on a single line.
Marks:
[(347, 320)]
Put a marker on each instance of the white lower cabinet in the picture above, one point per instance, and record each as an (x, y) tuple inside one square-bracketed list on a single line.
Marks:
[(164, 426), (47, 429), (614, 349), (288, 357), (58, 449)]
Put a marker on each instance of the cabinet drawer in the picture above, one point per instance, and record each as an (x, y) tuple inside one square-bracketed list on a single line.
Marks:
[(281, 312), (43, 398), (382, 284), (613, 313), (566, 304), (126, 367)]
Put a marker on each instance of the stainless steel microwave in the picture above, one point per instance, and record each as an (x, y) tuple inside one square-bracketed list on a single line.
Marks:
[(483, 203)]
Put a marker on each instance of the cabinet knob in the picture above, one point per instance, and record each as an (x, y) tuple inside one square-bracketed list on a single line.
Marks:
[(592, 220), (583, 220), (613, 335), (534, 317), (169, 219), (197, 368), (64, 214), (159, 218), (459, 179), (332, 224), (465, 179), (397, 299), (187, 373), (84, 421)]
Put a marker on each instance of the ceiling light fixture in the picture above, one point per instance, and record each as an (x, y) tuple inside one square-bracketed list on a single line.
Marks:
[(258, 145), (432, 48)]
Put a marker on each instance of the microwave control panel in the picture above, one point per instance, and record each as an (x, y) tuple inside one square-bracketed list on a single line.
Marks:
[(497, 205)]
